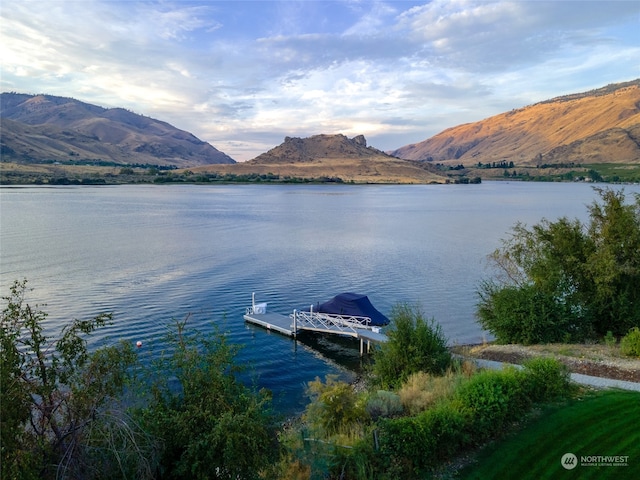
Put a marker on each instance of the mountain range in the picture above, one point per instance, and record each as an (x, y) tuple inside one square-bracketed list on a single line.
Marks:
[(39, 128), (599, 126)]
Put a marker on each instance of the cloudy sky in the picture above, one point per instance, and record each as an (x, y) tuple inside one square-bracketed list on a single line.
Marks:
[(242, 75)]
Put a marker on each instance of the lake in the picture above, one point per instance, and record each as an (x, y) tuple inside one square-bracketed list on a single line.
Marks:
[(151, 254)]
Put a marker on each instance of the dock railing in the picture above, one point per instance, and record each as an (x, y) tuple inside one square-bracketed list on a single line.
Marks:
[(349, 324)]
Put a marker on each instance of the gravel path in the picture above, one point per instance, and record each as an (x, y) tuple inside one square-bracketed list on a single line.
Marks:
[(597, 382)]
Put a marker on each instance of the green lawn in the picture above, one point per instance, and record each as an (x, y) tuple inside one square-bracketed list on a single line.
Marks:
[(607, 423)]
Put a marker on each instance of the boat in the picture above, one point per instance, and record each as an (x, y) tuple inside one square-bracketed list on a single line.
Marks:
[(353, 305), (349, 314)]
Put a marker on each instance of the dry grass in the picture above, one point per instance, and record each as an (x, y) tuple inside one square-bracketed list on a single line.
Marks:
[(596, 359), (380, 169), (55, 170), (422, 390), (521, 135), (585, 351)]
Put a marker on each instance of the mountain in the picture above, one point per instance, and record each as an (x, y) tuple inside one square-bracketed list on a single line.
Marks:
[(332, 156), (39, 128), (599, 126), (318, 147)]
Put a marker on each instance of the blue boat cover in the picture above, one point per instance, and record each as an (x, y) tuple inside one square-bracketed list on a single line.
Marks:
[(353, 304)]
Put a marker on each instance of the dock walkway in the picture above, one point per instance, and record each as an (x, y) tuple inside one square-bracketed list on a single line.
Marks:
[(315, 322)]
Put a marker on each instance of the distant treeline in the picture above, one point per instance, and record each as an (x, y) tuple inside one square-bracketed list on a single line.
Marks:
[(190, 177), (106, 163), (500, 164)]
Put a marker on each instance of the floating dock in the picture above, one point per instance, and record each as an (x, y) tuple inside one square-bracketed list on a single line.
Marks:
[(290, 325), (271, 321)]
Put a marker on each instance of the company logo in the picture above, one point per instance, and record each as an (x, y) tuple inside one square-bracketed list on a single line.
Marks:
[(569, 461)]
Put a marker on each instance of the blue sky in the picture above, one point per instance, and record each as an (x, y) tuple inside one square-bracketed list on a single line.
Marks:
[(242, 75)]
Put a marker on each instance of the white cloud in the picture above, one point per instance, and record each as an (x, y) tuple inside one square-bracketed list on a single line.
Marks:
[(243, 75)]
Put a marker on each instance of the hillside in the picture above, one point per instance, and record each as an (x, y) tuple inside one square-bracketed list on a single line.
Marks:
[(600, 126), (318, 147), (331, 156), (44, 128)]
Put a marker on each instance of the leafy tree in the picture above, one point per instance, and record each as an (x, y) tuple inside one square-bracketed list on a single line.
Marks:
[(613, 265), (415, 345), (53, 391), (564, 280), (209, 424)]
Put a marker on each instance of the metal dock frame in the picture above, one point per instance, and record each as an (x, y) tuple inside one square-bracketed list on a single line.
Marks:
[(353, 326)]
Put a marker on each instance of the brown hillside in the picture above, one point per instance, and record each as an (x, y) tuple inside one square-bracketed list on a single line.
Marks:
[(38, 128), (332, 156), (601, 125), (318, 147)]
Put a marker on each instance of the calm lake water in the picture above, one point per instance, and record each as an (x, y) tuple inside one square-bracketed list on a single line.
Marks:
[(151, 254)]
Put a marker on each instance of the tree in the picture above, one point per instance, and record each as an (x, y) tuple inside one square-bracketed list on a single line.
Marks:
[(210, 425), (614, 264), (415, 345), (563, 280), (53, 391)]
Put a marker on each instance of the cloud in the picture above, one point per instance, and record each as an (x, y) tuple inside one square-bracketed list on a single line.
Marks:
[(496, 36), (246, 74)]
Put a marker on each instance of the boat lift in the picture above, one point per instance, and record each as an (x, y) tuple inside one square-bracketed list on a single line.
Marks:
[(349, 325)]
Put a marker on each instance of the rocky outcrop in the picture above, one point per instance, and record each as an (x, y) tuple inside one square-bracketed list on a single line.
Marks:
[(317, 147)]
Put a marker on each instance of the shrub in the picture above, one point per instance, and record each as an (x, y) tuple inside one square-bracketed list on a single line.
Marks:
[(423, 390), (334, 406), (209, 423), (526, 315), (402, 444), (545, 379), (411, 445), (359, 461), (494, 398), (53, 393), (609, 339), (383, 404), (630, 343), (415, 344)]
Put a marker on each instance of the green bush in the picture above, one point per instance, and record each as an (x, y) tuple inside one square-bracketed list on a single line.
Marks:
[(630, 343), (545, 379), (209, 424), (383, 404), (479, 408), (494, 398), (415, 345), (334, 407), (412, 445), (526, 315), (55, 392), (609, 339)]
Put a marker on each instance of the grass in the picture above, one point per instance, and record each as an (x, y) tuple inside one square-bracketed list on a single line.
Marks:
[(616, 171), (606, 423)]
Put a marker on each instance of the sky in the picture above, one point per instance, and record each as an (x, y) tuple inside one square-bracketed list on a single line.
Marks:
[(242, 75)]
